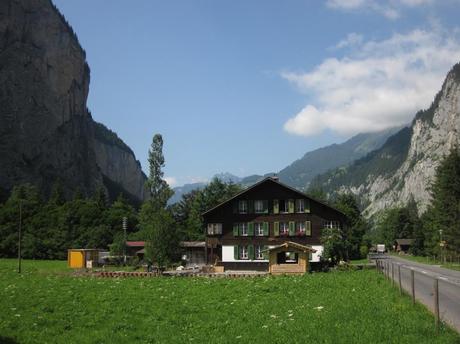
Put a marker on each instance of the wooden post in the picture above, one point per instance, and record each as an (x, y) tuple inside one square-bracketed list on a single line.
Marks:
[(19, 236), (436, 302), (412, 282), (393, 274), (387, 270), (399, 277)]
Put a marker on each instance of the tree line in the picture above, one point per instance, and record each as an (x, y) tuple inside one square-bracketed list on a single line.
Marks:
[(438, 227), (52, 225), (436, 231)]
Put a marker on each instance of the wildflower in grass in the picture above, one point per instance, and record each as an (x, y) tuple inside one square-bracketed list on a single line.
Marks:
[(319, 308)]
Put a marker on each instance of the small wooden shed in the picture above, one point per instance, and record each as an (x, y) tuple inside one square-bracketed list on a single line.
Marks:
[(78, 258), (289, 258)]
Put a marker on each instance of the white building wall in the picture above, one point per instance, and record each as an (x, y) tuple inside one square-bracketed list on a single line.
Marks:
[(228, 255), (319, 251)]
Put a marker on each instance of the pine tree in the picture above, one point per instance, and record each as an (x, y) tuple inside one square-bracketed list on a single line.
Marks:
[(445, 208), (356, 225)]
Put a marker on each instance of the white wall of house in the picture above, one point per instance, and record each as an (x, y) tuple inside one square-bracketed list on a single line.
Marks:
[(319, 251), (228, 255)]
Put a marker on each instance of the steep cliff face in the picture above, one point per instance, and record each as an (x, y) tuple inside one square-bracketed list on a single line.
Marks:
[(117, 162), (46, 132), (405, 166)]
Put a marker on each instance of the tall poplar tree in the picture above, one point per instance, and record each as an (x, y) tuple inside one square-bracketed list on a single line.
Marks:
[(155, 218)]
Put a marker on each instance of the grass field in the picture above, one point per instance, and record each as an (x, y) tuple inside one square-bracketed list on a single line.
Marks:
[(429, 260), (46, 304), (359, 261)]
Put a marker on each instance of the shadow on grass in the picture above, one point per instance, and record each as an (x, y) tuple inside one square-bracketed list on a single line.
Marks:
[(8, 340)]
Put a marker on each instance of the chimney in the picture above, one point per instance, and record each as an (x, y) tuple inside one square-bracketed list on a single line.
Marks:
[(275, 178)]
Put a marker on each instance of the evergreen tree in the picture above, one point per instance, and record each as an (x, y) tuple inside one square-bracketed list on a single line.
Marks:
[(24, 199), (355, 228), (445, 207)]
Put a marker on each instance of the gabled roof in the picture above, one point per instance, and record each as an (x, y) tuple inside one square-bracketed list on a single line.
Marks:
[(135, 243), (192, 244), (274, 180), (294, 245)]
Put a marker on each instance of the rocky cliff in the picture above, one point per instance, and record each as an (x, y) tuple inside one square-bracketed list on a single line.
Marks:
[(404, 167), (46, 132)]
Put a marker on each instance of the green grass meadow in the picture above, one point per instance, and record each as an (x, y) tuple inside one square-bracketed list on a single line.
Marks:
[(48, 304)]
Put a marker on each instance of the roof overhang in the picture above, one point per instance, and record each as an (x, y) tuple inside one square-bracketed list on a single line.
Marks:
[(292, 245)]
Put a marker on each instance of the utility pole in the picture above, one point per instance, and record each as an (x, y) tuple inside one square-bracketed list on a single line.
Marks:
[(125, 226), (19, 235), (441, 244)]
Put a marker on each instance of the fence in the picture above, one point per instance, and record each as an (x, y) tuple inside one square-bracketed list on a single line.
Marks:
[(425, 287)]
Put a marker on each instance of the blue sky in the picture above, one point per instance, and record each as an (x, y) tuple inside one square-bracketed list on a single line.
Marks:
[(247, 87)]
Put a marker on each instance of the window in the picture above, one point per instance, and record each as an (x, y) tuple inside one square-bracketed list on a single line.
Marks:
[(259, 253), (214, 228), (284, 228), (243, 227), (259, 228), (259, 206), (300, 206), (243, 207), (283, 206), (331, 224), (287, 258), (300, 228), (244, 252)]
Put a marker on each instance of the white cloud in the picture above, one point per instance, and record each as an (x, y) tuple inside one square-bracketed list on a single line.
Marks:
[(352, 39), (172, 181), (380, 84), (391, 9)]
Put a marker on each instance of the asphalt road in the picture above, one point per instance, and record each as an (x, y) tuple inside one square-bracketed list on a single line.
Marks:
[(449, 287)]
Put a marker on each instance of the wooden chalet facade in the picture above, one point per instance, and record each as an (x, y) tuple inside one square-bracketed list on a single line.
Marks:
[(241, 230)]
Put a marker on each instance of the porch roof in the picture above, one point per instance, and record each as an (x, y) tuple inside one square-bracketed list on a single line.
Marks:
[(292, 245)]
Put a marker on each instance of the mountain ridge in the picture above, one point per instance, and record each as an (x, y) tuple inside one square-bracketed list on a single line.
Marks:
[(404, 167), (342, 154)]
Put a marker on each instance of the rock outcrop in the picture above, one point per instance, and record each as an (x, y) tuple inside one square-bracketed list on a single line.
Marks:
[(46, 131), (405, 166)]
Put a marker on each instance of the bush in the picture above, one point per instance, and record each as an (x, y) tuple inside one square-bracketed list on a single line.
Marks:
[(363, 251)]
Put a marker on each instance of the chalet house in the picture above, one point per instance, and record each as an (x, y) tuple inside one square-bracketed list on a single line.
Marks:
[(268, 224)]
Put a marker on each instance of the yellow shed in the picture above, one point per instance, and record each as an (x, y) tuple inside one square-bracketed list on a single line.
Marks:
[(78, 258)]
